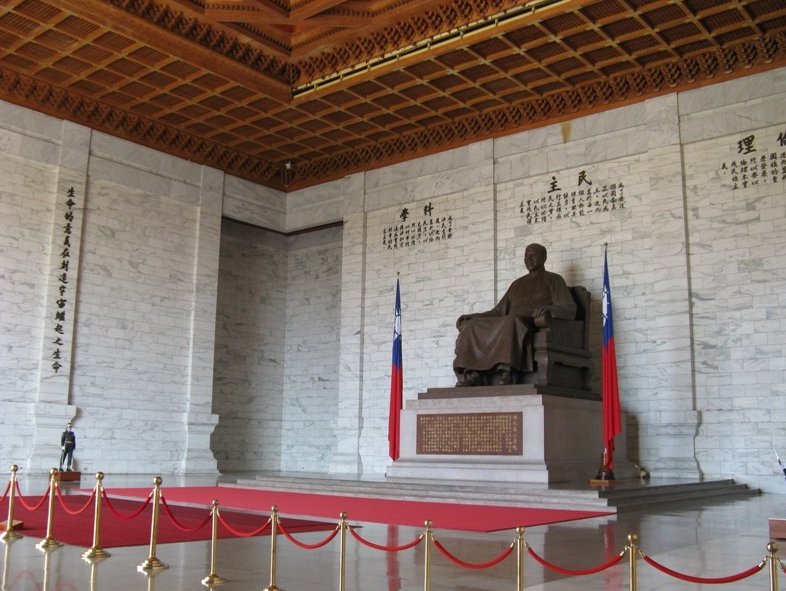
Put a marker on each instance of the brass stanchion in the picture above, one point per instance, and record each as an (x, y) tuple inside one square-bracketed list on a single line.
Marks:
[(151, 579), (213, 578), (152, 562), (427, 558), (520, 547), (273, 536), (94, 574), (6, 564), (47, 552), (633, 549), (772, 548), (342, 557), (10, 534), (49, 541), (96, 552)]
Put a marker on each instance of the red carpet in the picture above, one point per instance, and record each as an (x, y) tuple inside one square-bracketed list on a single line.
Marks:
[(115, 531), (364, 509)]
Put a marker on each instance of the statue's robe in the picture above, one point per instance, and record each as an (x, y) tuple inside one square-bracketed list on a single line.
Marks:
[(503, 335)]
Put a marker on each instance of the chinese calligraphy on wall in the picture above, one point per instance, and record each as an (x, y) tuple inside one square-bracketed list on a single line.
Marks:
[(758, 162), (414, 229), (579, 199), (61, 301)]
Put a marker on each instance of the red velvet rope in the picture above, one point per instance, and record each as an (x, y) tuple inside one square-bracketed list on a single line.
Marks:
[(705, 581), (243, 534), (412, 544), (19, 488), (568, 571), (129, 516), (34, 507), (480, 565), (65, 507), (7, 488), (179, 525), (324, 542)]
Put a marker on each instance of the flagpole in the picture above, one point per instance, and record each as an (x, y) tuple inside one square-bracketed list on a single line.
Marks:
[(607, 467), (396, 382), (610, 405)]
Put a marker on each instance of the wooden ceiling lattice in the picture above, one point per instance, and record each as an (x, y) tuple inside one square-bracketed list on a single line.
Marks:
[(293, 93)]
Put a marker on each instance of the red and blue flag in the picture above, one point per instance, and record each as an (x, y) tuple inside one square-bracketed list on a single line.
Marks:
[(610, 396), (396, 383)]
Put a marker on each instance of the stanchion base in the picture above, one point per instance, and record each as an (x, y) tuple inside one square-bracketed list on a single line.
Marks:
[(151, 563), (272, 588), (95, 554), (9, 536), (777, 528), (17, 524), (213, 580), (48, 544)]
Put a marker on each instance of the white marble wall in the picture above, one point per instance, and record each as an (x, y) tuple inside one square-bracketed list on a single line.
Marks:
[(310, 392), (637, 149), (141, 276), (250, 356), (134, 302), (277, 349), (738, 240), (301, 374), (27, 201), (655, 245)]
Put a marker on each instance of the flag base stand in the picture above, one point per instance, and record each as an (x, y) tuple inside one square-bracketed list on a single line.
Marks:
[(605, 475), (603, 482)]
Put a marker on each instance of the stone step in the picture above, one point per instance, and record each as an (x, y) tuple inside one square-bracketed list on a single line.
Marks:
[(424, 490), (623, 495), (644, 497)]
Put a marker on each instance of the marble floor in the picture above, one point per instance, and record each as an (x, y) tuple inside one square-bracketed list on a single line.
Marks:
[(709, 539)]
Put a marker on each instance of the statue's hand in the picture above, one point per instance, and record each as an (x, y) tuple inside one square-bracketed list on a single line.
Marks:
[(541, 317)]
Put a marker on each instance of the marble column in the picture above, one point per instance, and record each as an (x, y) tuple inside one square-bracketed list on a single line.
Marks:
[(200, 421), (52, 408), (350, 397)]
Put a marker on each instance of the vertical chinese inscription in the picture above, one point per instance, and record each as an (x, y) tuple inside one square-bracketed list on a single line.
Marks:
[(62, 293), (758, 161), (579, 200), (491, 434), (413, 229)]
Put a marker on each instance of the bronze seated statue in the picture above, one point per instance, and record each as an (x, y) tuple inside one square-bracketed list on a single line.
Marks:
[(538, 333)]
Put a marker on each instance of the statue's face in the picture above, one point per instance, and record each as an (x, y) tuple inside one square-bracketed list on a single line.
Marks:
[(534, 258)]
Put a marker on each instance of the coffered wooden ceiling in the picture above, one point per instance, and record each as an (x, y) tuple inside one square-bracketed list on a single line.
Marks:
[(292, 93)]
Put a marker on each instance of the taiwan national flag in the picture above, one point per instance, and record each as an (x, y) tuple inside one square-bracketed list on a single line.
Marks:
[(396, 383), (612, 422)]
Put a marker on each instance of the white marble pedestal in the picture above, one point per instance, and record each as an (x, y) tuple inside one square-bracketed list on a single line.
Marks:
[(520, 436)]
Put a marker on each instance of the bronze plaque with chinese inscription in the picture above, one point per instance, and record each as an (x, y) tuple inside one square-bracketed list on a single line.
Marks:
[(482, 433)]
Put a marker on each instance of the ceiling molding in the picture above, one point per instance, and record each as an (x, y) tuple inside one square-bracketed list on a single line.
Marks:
[(291, 94)]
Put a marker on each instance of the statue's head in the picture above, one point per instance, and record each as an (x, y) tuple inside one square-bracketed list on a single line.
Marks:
[(534, 257)]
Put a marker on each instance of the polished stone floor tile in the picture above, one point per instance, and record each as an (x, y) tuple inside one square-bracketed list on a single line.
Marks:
[(710, 539)]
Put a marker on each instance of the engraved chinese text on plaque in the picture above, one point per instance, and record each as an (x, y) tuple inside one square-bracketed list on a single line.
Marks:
[(487, 433)]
